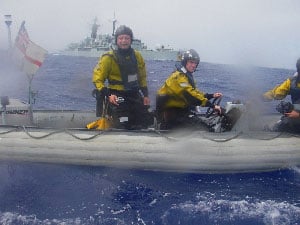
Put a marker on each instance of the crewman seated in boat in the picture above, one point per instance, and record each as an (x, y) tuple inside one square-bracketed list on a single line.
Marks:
[(125, 72), (290, 121), (179, 94)]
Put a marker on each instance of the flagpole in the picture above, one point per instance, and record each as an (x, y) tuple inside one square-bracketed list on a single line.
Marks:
[(30, 78), (31, 57)]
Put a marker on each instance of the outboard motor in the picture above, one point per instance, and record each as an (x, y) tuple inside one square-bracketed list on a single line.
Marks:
[(230, 119), (233, 119)]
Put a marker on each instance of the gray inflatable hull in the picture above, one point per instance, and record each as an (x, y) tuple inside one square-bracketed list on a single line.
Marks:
[(60, 137), (200, 152)]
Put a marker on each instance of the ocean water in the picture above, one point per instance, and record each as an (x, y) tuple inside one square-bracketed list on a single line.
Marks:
[(32, 193)]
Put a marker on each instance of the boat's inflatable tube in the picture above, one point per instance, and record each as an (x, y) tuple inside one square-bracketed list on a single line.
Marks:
[(150, 150)]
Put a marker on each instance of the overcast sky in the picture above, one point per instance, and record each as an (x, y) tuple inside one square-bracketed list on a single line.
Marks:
[(259, 32)]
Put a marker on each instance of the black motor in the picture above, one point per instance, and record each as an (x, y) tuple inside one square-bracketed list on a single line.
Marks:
[(230, 118)]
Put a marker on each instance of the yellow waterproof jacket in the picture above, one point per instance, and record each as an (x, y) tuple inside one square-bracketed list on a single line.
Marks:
[(176, 88), (108, 69), (280, 91)]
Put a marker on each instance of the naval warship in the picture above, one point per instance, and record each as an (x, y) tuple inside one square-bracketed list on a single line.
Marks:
[(97, 44)]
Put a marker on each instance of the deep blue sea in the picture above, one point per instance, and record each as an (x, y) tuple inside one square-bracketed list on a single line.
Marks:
[(32, 193)]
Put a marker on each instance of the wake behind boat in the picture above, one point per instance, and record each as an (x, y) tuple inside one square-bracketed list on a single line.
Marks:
[(61, 137)]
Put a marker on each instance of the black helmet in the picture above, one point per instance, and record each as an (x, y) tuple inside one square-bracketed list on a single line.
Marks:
[(298, 65), (190, 55), (123, 30)]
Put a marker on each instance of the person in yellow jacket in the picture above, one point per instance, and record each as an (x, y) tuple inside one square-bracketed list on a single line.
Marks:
[(124, 71), (179, 94), (290, 121)]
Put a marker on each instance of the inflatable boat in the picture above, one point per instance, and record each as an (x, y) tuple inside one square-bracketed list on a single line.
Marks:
[(61, 136)]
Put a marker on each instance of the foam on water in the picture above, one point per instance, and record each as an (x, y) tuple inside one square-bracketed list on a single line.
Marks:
[(210, 211), (235, 212)]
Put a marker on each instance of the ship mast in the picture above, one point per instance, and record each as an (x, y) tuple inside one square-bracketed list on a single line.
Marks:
[(114, 25), (94, 30)]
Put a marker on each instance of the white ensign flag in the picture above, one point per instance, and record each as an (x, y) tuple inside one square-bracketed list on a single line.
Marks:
[(29, 55)]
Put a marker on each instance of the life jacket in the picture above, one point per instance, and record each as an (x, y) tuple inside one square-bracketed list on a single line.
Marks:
[(128, 68), (294, 89)]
